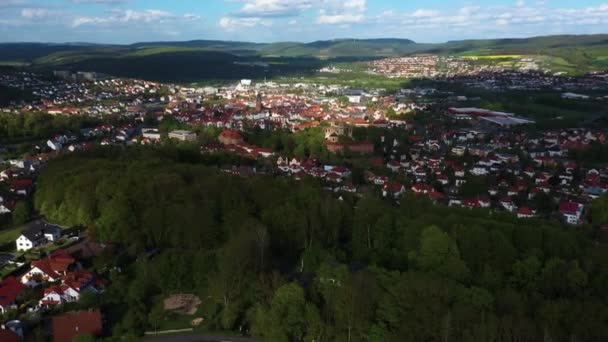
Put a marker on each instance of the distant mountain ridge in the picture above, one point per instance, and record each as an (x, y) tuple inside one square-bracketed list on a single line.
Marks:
[(379, 47)]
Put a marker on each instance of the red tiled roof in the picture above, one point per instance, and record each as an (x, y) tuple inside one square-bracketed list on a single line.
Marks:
[(231, 134), (56, 263), (568, 207), (434, 195), (21, 184), (7, 335), (525, 211), (10, 289), (69, 325)]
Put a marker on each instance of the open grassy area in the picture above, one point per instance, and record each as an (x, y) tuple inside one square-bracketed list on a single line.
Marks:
[(353, 79), (157, 50), (13, 63), (10, 235), (493, 56)]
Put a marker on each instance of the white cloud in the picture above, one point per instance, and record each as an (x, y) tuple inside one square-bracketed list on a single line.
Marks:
[(132, 16), (424, 13), (35, 13), (336, 12), (329, 11), (274, 8), (339, 18), (230, 24)]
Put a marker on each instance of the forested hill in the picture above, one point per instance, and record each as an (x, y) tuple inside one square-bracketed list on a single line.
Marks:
[(199, 60), (594, 44), (286, 261)]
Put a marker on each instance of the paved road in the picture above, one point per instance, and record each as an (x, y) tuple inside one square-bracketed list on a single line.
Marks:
[(201, 338)]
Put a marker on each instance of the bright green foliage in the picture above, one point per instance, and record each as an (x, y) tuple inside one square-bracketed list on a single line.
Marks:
[(287, 261), (439, 253)]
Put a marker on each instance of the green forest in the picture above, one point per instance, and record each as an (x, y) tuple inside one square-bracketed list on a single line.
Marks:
[(37, 125), (287, 261)]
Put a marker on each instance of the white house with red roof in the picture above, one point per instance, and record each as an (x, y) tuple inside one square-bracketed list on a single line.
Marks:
[(49, 269), (507, 203), (72, 286), (571, 212), (393, 189), (525, 212)]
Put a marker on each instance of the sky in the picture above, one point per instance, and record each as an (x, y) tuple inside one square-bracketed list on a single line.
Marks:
[(129, 21)]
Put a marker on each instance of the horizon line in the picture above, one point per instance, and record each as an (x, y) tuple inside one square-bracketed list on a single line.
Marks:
[(297, 42)]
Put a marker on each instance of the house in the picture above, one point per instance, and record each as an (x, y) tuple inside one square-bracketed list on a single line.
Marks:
[(443, 179), (477, 202), (479, 170), (151, 133), (393, 189), (422, 189), (507, 203), (182, 135), (333, 177), (38, 233), (458, 150), (458, 171), (69, 325), (341, 171), (571, 212), (230, 137), (22, 186), (10, 289), (57, 295), (6, 207), (73, 284), (49, 269), (525, 212)]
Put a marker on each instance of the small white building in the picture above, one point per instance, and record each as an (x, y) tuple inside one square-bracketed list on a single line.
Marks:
[(150, 133), (183, 135), (57, 295), (38, 233)]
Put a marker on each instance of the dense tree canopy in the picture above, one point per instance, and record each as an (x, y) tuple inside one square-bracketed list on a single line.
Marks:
[(36, 125), (289, 262)]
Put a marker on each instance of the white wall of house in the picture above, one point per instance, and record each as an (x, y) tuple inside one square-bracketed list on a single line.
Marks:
[(29, 278), (51, 297), (24, 244), (52, 236)]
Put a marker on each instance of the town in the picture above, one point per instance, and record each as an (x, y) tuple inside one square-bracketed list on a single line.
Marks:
[(422, 141)]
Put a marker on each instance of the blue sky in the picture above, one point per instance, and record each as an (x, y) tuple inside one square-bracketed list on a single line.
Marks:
[(127, 21)]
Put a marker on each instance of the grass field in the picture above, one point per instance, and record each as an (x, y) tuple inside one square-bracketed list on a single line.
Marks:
[(494, 56), (10, 235), (352, 79), (157, 50), (13, 63)]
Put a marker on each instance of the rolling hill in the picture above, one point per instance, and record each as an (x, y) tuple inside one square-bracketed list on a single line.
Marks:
[(212, 59)]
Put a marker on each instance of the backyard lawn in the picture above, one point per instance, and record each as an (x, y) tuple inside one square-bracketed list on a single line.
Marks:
[(10, 235)]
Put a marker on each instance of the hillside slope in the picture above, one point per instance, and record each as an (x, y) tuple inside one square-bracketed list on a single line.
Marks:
[(191, 60)]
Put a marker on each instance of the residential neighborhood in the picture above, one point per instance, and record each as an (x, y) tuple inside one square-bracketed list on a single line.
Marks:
[(422, 142)]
